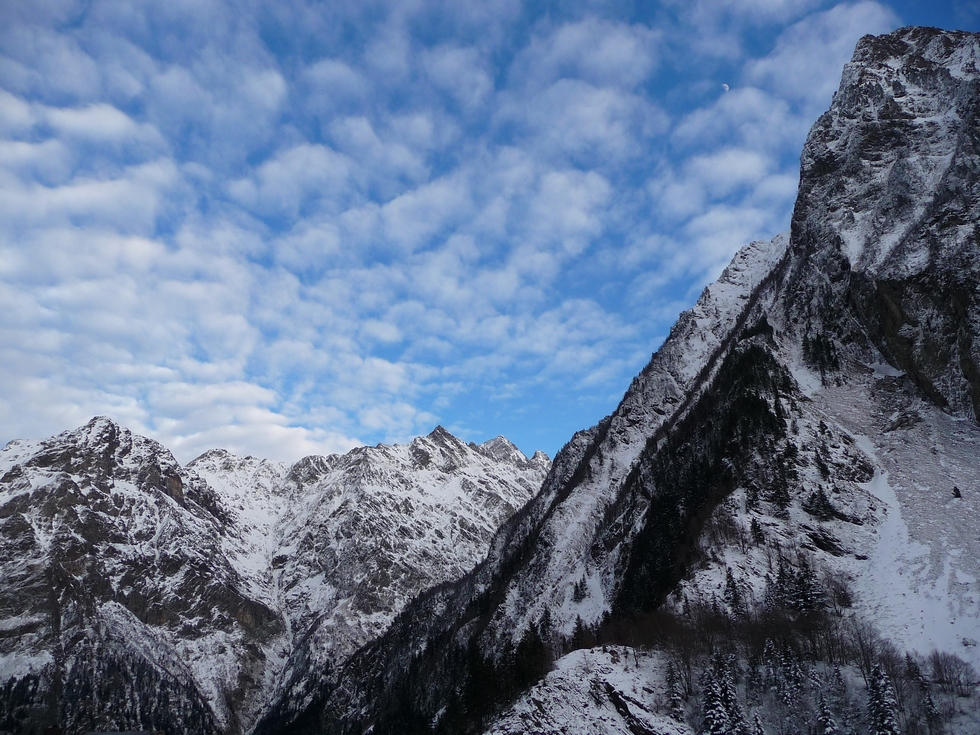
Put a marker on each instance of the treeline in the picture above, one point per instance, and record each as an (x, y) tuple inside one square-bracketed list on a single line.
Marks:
[(795, 662)]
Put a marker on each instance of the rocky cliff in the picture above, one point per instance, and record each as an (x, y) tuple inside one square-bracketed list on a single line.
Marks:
[(141, 595)]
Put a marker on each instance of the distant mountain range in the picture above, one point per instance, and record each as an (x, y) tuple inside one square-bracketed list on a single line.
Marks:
[(139, 594)]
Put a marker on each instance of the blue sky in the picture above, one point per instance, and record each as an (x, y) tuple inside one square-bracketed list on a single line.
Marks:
[(294, 227)]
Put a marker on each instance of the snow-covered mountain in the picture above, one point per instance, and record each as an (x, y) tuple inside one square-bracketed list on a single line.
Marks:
[(139, 594), (786, 500)]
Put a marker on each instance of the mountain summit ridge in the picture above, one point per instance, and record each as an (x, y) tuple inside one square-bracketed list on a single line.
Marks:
[(205, 580)]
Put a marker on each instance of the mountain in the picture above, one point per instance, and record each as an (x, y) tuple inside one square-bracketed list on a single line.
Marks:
[(785, 501), (138, 594)]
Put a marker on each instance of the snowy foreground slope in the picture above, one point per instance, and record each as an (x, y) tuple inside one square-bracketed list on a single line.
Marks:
[(141, 595), (786, 501)]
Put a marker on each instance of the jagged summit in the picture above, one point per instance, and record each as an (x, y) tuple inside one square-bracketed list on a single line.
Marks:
[(502, 449), (899, 245), (213, 586)]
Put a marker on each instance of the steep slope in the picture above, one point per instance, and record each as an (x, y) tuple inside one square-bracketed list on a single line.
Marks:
[(195, 585), (774, 437), (114, 572), (365, 532)]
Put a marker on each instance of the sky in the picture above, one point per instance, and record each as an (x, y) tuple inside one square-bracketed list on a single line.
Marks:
[(294, 227)]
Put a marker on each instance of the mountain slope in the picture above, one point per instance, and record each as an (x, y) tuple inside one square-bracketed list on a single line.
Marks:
[(196, 585), (775, 435)]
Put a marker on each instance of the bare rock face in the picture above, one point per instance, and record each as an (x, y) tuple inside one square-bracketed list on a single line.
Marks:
[(142, 595), (889, 207)]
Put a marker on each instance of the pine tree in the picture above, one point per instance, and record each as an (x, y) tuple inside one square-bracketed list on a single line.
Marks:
[(581, 635), (758, 535), (881, 703), (912, 670), (715, 719), (729, 696), (770, 659), (674, 694), (791, 675), (933, 715), (757, 728), (825, 719), (753, 678), (806, 588), (733, 595)]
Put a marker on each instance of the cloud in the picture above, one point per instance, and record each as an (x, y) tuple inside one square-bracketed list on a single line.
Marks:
[(596, 51), (291, 228), (805, 65), (752, 116), (575, 120), (459, 72), (295, 179), (15, 114)]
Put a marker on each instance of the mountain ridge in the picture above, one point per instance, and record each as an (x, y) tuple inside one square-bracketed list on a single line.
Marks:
[(207, 578)]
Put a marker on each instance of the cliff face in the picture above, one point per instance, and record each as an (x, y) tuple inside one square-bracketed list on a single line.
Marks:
[(141, 595), (888, 211), (820, 398)]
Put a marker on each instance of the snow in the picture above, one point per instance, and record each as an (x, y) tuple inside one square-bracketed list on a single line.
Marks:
[(884, 370), (575, 698), (919, 582), (217, 589), (676, 372)]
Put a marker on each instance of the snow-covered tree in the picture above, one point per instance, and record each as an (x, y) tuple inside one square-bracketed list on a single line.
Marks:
[(825, 719), (714, 717), (674, 694), (733, 595), (729, 696), (882, 705)]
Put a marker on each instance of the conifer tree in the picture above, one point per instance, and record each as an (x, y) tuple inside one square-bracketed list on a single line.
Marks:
[(881, 703), (912, 670), (825, 719), (755, 528), (715, 719), (674, 694), (933, 715), (757, 728), (729, 696), (770, 660), (733, 595)]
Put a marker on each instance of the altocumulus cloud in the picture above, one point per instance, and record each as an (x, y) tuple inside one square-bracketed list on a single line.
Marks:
[(286, 228)]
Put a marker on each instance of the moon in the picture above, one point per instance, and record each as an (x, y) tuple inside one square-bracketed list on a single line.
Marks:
[(725, 87)]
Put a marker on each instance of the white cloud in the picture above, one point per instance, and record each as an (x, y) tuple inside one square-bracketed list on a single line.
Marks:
[(596, 51), (752, 116), (805, 65), (577, 120), (412, 218), (279, 229), (460, 72), (567, 208), (129, 203), (294, 178), (15, 114)]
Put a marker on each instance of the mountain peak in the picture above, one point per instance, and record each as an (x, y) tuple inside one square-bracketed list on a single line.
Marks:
[(441, 434)]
